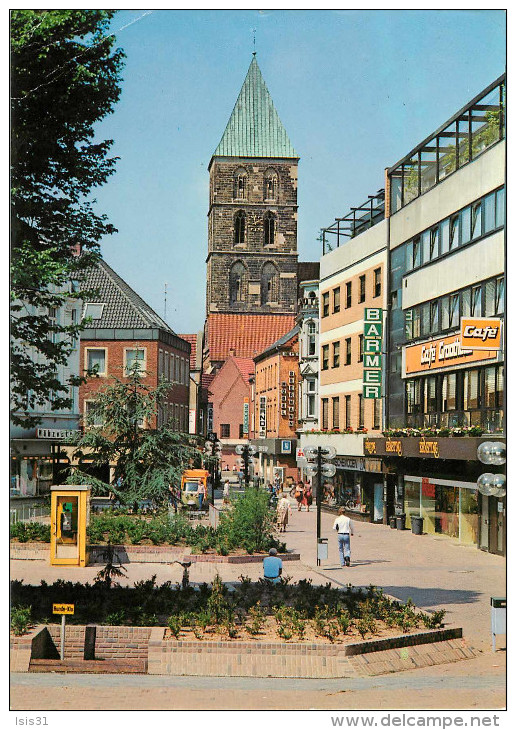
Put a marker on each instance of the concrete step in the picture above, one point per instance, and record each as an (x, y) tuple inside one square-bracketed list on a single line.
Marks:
[(91, 666)]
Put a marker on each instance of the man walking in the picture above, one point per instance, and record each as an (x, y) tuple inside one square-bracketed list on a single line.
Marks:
[(344, 528)]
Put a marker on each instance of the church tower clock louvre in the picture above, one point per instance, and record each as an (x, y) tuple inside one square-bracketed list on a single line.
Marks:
[(252, 229)]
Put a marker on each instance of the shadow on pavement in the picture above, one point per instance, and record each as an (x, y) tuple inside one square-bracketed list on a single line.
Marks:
[(427, 597)]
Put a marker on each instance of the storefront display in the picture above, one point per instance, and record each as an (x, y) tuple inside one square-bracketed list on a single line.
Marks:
[(447, 508)]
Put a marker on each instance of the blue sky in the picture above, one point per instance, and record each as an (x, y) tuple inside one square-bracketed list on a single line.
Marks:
[(355, 90)]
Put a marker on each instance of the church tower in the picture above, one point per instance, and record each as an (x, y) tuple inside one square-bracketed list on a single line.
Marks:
[(252, 227)]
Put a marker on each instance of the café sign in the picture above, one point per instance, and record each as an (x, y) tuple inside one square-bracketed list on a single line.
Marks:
[(480, 333), (441, 353)]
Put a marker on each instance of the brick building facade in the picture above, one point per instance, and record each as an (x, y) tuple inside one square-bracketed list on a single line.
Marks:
[(275, 406), (122, 329)]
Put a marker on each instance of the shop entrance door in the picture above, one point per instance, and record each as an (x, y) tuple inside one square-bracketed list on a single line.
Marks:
[(497, 526), (484, 523)]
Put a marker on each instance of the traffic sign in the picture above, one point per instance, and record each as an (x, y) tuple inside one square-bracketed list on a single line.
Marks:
[(63, 608)]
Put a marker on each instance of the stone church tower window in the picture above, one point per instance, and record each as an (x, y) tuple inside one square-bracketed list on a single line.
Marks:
[(269, 284), (237, 283), (240, 227), (269, 223)]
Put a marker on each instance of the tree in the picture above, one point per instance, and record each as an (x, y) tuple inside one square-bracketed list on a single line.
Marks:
[(146, 460), (65, 77)]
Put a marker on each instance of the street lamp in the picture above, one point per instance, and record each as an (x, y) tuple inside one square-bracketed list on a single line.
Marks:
[(248, 452), (320, 466), (213, 449), (492, 453)]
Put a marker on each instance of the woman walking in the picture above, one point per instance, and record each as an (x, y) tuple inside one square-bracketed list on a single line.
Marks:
[(282, 512), (308, 497), (299, 494)]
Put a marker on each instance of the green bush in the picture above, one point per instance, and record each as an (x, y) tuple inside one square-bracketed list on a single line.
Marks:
[(30, 531), (20, 619)]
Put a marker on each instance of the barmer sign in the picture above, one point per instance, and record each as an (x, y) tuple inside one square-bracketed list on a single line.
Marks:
[(373, 332)]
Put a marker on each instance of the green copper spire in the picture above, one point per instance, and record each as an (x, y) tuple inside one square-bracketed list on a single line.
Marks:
[(254, 128)]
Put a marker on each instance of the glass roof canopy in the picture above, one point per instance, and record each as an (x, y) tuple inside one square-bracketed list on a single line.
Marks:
[(355, 222), (476, 127)]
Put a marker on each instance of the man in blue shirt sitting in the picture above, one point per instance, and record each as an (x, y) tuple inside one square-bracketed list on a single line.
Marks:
[(272, 566)]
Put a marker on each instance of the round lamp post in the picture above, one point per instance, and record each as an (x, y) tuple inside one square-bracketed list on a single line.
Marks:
[(248, 452), (320, 465), (492, 453)]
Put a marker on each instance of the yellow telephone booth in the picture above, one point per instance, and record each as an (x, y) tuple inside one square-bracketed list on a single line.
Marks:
[(70, 515)]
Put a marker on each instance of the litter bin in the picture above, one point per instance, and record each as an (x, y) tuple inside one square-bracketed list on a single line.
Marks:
[(498, 618), (400, 522), (417, 525), (392, 523)]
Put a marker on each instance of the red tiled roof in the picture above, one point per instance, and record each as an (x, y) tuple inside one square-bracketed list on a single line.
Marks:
[(246, 334), (206, 379), (245, 366), (192, 339)]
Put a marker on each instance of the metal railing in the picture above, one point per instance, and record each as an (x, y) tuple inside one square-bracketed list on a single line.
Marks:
[(26, 513)]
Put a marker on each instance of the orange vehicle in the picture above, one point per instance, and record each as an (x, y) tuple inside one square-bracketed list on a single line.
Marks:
[(190, 483)]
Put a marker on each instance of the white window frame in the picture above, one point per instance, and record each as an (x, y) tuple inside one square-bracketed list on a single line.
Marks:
[(85, 418), (87, 349), (143, 366)]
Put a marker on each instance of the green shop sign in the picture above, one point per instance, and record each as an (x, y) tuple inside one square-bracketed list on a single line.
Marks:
[(372, 356)]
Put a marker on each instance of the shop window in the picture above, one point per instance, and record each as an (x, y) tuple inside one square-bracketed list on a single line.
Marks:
[(336, 354), (336, 300), (430, 394), (499, 386), (325, 357), (490, 387), (335, 412), (225, 430), (362, 288), (348, 295), (449, 392), (325, 304)]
